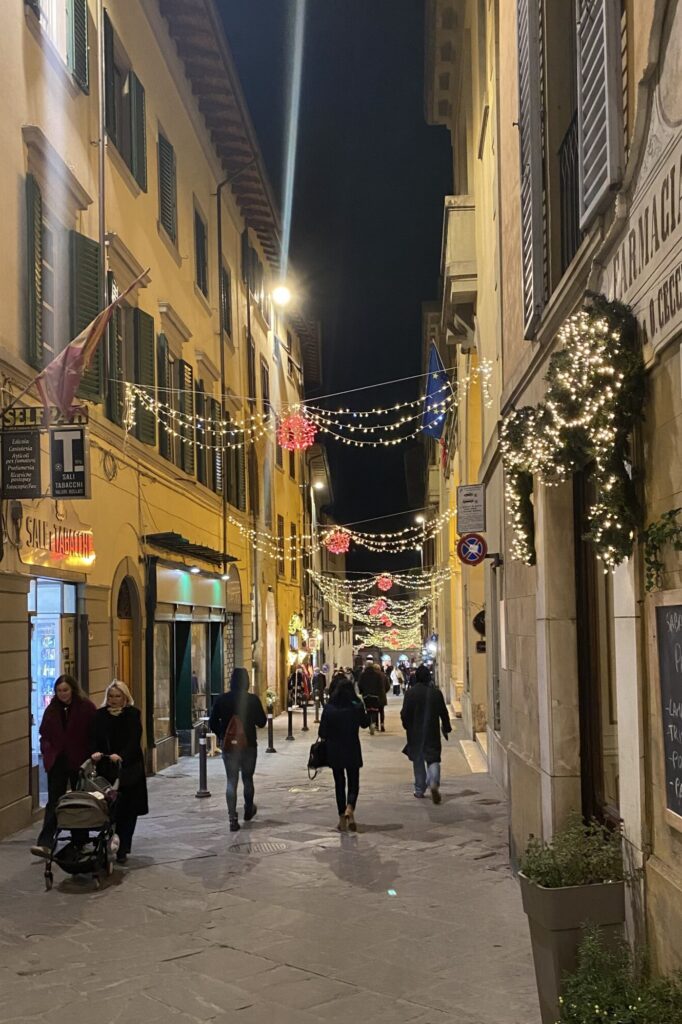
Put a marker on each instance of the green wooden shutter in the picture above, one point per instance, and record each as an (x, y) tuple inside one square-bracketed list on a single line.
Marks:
[(138, 131), (187, 408), (167, 188), (202, 434), (144, 374), (217, 454), (109, 88), (241, 478), (77, 42), (246, 256), (86, 294), (114, 386), (163, 395), (34, 225)]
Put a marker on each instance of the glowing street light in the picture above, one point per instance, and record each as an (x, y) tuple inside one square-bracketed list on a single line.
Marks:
[(419, 519), (281, 295)]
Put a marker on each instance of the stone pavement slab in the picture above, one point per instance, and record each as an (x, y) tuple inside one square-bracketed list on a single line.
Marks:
[(415, 919)]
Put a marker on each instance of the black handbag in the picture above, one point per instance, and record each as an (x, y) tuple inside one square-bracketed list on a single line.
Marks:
[(317, 758)]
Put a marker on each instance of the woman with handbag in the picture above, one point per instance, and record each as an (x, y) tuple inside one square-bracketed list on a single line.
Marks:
[(117, 733), (343, 717)]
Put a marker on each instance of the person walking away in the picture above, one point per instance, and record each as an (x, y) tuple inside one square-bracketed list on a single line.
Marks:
[(234, 719), (343, 717), (398, 680), (117, 738), (423, 715), (374, 686), (320, 683), (64, 745)]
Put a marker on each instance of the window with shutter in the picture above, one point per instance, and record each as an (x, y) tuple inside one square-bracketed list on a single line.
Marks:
[(226, 300), (267, 489), (115, 341), (138, 147), (186, 388), (599, 104), (86, 293), (77, 42), (145, 421), (241, 478), (279, 458), (280, 546), (294, 552), (217, 440), (265, 387), (164, 396), (530, 63), (34, 248), (201, 253), (202, 433), (109, 79), (167, 189), (246, 256), (251, 371), (292, 465)]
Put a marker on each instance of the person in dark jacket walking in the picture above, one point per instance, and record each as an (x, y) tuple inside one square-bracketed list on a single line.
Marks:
[(249, 710), (374, 684), (117, 739), (64, 744), (423, 715), (342, 719)]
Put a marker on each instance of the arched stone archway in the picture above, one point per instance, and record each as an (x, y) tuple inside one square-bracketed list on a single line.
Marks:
[(127, 630)]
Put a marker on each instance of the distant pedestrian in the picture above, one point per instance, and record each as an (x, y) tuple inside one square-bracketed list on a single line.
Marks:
[(373, 687), (234, 719), (64, 745), (117, 733), (398, 680), (423, 715), (342, 719), (320, 683)]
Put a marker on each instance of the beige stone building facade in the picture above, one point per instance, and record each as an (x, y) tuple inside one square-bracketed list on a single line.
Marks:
[(569, 116), (165, 574)]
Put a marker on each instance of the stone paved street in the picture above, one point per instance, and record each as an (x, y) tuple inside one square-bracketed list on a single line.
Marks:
[(416, 919)]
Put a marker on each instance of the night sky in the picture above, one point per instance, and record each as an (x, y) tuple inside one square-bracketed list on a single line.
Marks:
[(368, 200)]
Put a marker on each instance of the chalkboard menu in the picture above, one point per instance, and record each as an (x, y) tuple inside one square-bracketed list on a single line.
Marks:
[(669, 634)]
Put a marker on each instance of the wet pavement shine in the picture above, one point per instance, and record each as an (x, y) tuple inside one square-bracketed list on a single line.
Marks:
[(416, 918)]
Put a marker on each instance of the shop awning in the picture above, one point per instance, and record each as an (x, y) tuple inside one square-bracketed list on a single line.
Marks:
[(176, 544)]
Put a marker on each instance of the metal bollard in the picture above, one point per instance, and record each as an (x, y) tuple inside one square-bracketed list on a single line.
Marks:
[(317, 710), (290, 717), (203, 790), (270, 749), (305, 715)]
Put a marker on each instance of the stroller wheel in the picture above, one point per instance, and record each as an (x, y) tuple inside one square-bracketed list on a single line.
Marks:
[(49, 878)]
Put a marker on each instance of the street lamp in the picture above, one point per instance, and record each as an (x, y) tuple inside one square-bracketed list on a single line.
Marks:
[(281, 295)]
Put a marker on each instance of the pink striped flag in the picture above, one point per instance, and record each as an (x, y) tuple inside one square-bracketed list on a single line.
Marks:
[(60, 380)]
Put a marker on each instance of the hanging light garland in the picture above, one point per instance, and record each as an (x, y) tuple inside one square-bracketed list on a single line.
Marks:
[(595, 395)]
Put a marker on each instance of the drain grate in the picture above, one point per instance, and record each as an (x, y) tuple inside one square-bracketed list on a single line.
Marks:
[(246, 848)]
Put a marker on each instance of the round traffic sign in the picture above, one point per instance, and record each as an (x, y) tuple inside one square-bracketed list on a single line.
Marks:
[(471, 549)]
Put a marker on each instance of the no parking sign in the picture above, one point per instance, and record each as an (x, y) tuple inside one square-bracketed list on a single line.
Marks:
[(471, 549)]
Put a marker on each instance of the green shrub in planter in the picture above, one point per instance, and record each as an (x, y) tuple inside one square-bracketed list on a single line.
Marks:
[(578, 854), (611, 985)]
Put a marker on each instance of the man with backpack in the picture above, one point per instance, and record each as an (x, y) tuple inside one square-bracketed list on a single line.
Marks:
[(234, 719)]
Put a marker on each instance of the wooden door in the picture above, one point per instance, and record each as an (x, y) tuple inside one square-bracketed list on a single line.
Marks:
[(124, 659)]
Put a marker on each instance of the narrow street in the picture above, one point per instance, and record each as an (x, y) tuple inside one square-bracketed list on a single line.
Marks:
[(416, 918)]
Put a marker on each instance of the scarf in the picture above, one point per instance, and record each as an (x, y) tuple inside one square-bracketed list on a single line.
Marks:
[(115, 711)]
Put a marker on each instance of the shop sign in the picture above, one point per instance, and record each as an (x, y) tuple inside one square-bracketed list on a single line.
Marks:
[(21, 464), (68, 463), (37, 417), (644, 270), (471, 508), (63, 543)]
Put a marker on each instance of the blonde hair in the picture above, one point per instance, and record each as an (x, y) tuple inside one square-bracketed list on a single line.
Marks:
[(118, 684)]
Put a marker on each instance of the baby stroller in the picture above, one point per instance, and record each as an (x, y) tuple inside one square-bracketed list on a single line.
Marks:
[(87, 812)]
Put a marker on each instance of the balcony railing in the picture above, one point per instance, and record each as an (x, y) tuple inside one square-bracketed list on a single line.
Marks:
[(569, 188)]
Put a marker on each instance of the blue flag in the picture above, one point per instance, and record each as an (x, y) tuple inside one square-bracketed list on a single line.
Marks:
[(438, 390)]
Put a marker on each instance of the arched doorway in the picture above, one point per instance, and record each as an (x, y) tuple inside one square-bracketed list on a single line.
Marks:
[(126, 654)]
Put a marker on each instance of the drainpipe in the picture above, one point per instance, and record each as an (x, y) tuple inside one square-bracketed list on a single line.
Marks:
[(101, 177)]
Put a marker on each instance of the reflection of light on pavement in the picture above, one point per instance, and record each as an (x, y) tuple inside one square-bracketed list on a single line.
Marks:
[(392, 892)]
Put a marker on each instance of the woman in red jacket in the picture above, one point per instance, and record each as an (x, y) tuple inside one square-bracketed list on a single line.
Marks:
[(65, 744)]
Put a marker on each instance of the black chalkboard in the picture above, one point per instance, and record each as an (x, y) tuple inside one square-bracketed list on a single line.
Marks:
[(669, 636)]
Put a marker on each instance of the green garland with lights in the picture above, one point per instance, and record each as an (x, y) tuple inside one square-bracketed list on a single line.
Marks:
[(666, 530), (595, 394)]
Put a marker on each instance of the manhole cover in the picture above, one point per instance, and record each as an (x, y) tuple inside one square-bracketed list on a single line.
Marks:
[(259, 848)]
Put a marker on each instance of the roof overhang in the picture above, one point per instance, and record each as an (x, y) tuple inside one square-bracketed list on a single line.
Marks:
[(176, 544)]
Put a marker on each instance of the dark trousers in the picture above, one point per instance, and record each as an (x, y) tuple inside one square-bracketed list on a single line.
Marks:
[(125, 829), (351, 798), (382, 715), (59, 778), (243, 761)]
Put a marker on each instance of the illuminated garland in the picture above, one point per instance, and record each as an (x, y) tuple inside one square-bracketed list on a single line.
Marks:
[(594, 396), (416, 580)]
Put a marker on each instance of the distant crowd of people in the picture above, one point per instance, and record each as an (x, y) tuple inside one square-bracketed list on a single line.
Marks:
[(73, 730)]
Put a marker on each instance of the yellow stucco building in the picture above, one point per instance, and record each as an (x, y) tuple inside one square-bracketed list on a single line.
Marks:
[(165, 575)]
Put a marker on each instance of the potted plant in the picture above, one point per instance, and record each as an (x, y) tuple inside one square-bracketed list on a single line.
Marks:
[(612, 984), (575, 880)]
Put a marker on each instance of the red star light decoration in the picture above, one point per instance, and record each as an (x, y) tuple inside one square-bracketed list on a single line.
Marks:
[(338, 542), (296, 432), (384, 582)]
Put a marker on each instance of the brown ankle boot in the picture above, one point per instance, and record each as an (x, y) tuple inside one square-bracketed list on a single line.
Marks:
[(350, 818)]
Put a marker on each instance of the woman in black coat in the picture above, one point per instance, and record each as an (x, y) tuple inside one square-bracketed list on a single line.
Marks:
[(343, 717), (117, 734)]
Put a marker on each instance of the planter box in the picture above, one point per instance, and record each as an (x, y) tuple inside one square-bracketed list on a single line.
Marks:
[(556, 918)]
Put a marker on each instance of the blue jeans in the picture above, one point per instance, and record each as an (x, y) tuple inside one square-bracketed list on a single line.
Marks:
[(425, 775), (243, 761)]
